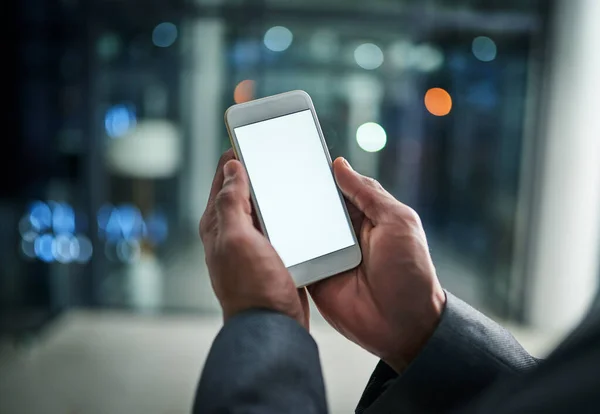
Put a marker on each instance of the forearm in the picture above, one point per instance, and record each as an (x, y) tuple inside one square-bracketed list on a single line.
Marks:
[(262, 362), (466, 354)]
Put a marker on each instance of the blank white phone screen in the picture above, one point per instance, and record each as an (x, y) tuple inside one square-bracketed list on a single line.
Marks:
[(294, 187)]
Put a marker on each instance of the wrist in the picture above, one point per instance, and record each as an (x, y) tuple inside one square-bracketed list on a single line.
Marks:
[(419, 334)]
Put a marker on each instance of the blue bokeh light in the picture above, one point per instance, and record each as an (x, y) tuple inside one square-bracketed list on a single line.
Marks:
[(119, 120), (246, 53), (158, 227), (112, 229), (164, 34), (85, 249), (28, 248), (65, 248), (130, 221), (63, 218), (40, 216), (103, 215), (484, 49), (43, 248)]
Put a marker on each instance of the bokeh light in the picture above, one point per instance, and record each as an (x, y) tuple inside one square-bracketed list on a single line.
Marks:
[(428, 58), (246, 52), (164, 34), (85, 249), (484, 48), (63, 218), (278, 38), (43, 248), (438, 102), (28, 248), (244, 91), (108, 46), (130, 222), (368, 56), (40, 215), (47, 233), (324, 45), (119, 120), (65, 248), (128, 251), (158, 227), (371, 137)]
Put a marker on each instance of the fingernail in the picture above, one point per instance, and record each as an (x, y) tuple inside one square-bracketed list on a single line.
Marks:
[(228, 170), (346, 163)]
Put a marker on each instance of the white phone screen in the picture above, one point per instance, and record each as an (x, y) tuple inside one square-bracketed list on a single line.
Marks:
[(294, 187)]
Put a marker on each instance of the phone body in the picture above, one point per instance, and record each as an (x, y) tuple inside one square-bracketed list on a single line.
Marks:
[(301, 210)]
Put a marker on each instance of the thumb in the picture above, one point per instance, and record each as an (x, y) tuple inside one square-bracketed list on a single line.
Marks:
[(364, 192), (233, 200)]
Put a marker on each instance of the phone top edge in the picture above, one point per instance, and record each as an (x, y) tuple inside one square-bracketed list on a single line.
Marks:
[(268, 107)]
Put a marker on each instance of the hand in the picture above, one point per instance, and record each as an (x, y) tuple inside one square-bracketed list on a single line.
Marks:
[(391, 304), (245, 270)]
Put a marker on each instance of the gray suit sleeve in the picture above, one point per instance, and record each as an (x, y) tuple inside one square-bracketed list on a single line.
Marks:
[(261, 362), (466, 354)]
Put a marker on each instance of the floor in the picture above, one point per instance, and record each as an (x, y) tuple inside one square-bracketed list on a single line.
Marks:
[(97, 362), (118, 362)]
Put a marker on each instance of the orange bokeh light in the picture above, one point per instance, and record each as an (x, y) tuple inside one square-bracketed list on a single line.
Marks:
[(438, 102), (244, 91)]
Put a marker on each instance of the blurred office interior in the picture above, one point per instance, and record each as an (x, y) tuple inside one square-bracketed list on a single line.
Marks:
[(480, 114)]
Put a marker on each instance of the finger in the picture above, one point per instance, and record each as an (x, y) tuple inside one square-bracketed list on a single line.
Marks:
[(208, 220), (356, 216), (302, 293), (217, 183), (232, 203), (364, 192)]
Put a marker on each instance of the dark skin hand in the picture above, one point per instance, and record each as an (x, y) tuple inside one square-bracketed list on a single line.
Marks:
[(389, 305), (392, 302), (233, 243)]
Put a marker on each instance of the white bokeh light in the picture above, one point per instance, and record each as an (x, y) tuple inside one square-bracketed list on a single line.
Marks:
[(371, 137), (278, 38), (368, 56)]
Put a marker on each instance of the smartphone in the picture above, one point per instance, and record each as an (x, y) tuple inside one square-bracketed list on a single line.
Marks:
[(299, 206)]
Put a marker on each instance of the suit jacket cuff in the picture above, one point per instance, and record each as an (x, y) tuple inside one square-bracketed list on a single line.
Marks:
[(262, 362), (466, 353)]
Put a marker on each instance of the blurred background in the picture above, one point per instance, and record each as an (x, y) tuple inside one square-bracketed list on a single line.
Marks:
[(480, 114)]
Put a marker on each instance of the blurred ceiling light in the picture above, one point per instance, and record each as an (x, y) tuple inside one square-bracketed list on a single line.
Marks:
[(244, 91), (427, 58), (324, 45), (278, 38), (164, 34), (371, 137), (438, 102), (484, 48), (368, 56), (119, 119)]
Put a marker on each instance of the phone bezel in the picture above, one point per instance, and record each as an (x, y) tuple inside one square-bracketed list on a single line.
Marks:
[(273, 107)]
